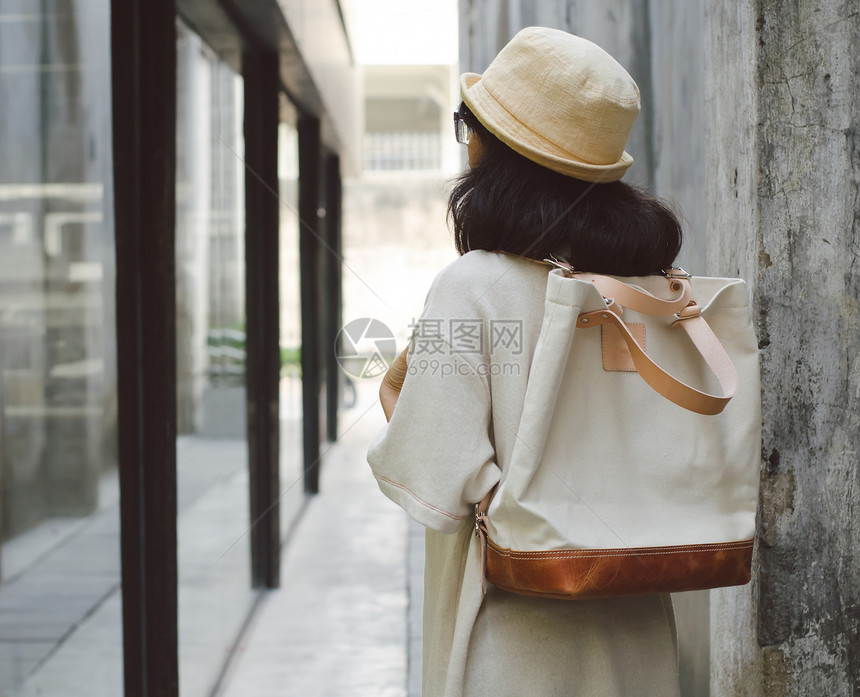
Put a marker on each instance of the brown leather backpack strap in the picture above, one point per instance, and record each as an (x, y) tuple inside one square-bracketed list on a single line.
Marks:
[(671, 388)]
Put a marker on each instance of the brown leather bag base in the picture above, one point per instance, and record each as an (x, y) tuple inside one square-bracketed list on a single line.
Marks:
[(598, 573)]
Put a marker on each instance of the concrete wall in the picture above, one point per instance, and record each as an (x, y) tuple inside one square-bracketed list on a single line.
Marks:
[(677, 113), (784, 205)]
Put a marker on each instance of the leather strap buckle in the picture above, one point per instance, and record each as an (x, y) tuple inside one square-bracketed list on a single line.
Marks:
[(692, 310), (676, 272), (559, 264), (614, 306)]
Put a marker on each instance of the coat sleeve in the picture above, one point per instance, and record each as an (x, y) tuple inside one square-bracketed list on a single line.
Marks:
[(435, 458)]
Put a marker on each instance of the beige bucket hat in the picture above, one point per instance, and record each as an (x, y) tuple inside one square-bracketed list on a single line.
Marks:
[(560, 101)]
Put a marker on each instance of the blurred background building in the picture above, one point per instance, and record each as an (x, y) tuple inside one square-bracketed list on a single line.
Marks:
[(395, 230)]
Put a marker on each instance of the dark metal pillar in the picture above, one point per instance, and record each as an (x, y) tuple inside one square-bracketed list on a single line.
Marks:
[(263, 362), (333, 281), (310, 268), (143, 57)]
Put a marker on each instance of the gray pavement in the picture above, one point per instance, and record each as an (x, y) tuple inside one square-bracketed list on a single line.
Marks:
[(346, 620), (61, 612)]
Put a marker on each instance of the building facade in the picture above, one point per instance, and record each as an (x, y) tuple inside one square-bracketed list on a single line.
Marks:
[(169, 201)]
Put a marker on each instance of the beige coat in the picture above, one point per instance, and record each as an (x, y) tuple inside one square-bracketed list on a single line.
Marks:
[(449, 441)]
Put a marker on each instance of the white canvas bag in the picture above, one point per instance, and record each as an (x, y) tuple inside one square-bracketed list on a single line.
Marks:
[(613, 489)]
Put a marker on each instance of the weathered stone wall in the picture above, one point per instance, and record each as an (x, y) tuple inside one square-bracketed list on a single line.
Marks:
[(733, 220), (784, 206), (677, 113)]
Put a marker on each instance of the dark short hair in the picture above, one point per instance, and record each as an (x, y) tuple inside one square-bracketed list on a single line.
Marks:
[(509, 203)]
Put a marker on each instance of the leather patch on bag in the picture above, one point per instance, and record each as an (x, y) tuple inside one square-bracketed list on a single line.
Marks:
[(616, 355)]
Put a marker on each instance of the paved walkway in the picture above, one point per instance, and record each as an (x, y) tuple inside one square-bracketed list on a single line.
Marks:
[(61, 610), (346, 620)]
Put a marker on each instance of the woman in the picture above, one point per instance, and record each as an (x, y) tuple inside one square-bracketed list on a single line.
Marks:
[(546, 126)]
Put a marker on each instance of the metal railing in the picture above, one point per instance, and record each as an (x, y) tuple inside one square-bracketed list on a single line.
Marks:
[(402, 151)]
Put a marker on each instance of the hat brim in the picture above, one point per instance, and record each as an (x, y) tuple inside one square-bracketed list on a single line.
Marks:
[(520, 138)]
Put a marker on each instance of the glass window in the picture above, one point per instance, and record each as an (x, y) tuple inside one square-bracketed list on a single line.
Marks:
[(60, 604), (215, 593), (292, 483)]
